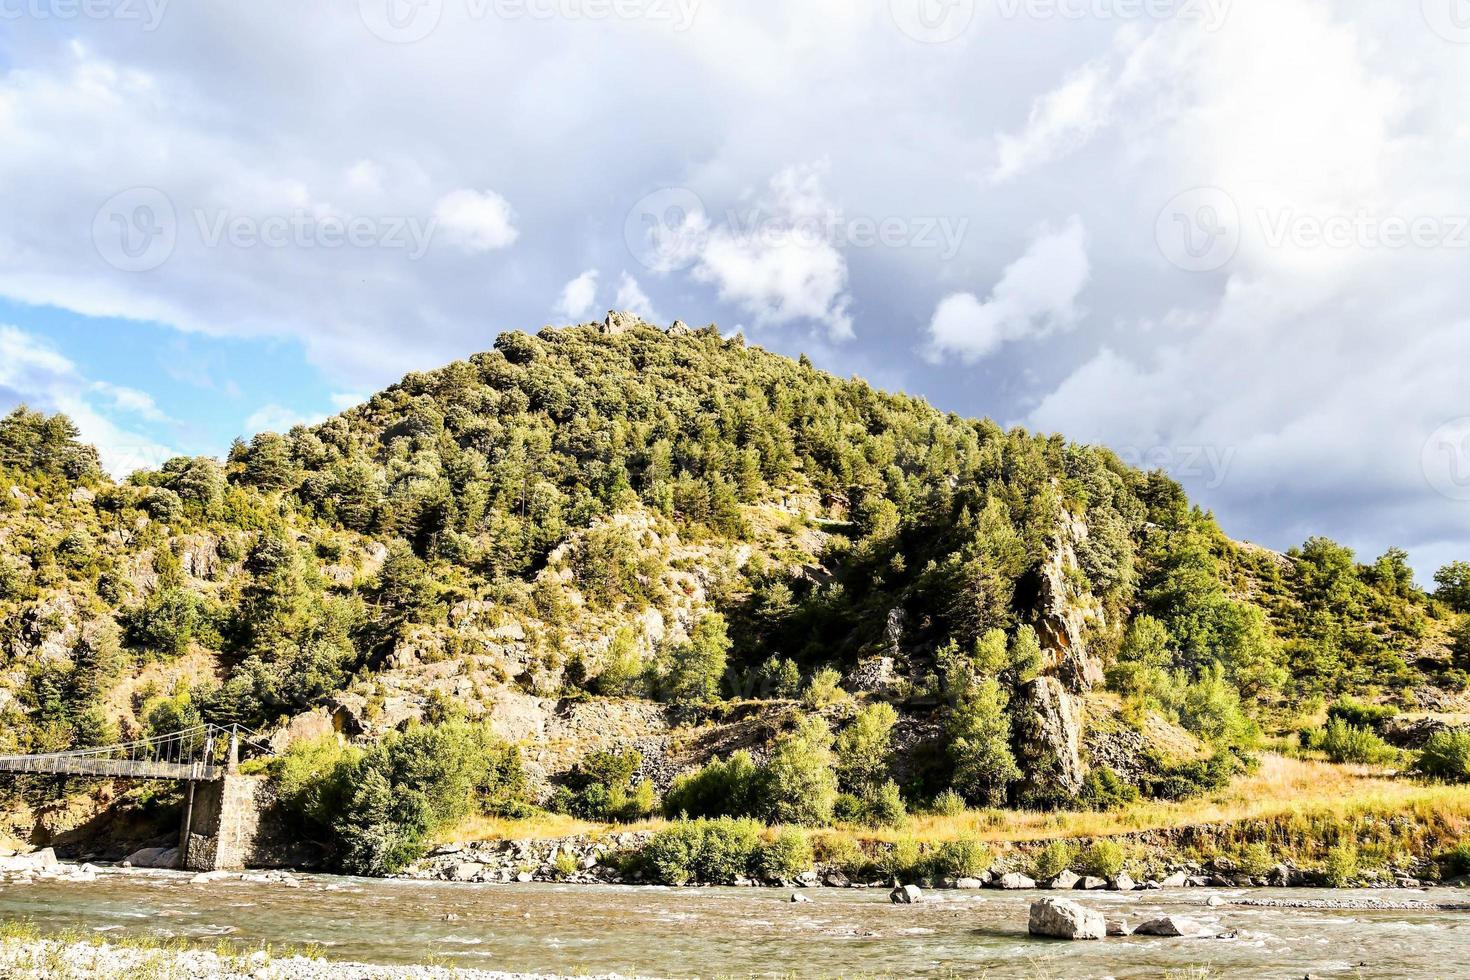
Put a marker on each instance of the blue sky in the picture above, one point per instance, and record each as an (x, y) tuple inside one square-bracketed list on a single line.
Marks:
[(1224, 237)]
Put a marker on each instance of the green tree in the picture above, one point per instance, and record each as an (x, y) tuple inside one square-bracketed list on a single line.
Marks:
[(798, 784), (979, 732)]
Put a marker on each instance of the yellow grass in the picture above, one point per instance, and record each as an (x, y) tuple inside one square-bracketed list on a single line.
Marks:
[(1280, 787)]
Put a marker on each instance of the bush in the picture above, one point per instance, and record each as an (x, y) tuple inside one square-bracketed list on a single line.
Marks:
[(565, 865), (902, 861), (1104, 790), (1446, 756), (1255, 859), (1053, 859), (883, 807), (948, 804), (1179, 781), (713, 852), (785, 856), (1348, 743), (962, 858), (1103, 858), (824, 689), (719, 789), (1456, 861), (1359, 715), (601, 788), (798, 785), (1341, 866)]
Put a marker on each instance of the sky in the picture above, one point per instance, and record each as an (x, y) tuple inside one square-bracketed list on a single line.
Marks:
[(1227, 238)]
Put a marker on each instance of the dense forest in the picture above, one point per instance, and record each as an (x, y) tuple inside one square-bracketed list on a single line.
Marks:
[(949, 613)]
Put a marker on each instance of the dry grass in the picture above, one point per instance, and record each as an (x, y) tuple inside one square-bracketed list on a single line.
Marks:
[(1281, 787)]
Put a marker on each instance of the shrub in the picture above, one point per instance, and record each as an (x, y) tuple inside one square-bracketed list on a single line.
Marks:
[(1456, 861), (1103, 858), (1359, 715), (601, 788), (864, 749), (962, 858), (883, 807), (840, 851), (1349, 743), (1255, 859), (948, 804), (902, 861), (565, 865), (1104, 790), (799, 784), (1341, 866), (1446, 756), (1053, 859), (703, 851), (824, 689), (1179, 781), (785, 856), (719, 789)]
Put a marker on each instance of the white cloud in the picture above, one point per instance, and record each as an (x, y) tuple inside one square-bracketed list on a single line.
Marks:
[(343, 400), (578, 296), (633, 299), (776, 262), (1060, 120), (476, 221), (1036, 295), (34, 373)]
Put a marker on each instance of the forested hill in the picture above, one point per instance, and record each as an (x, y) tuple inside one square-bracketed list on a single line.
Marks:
[(615, 511)]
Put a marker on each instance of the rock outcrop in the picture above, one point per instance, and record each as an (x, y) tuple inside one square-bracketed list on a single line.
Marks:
[(1066, 611), (1048, 739)]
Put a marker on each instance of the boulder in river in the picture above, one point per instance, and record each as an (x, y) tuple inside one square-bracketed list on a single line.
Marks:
[(906, 895), (1091, 883), (1123, 882), (1063, 879), (1171, 925), (1176, 880), (1062, 918), (40, 860), (1119, 927), (1014, 880)]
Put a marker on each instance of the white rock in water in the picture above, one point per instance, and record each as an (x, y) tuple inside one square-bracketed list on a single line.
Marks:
[(1014, 880), (799, 897), (1171, 925), (906, 895), (1062, 918)]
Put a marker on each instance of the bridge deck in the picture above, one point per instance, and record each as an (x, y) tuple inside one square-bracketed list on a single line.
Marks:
[(112, 768)]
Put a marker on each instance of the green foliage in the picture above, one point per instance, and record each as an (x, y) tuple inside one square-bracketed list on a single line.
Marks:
[(1341, 865), (1453, 586), (380, 806), (714, 852), (948, 803), (720, 788), (1181, 780), (1359, 715), (1053, 859), (601, 788), (979, 730), (864, 749), (823, 690), (798, 783), (1102, 789), (785, 856), (697, 667), (880, 806), (1446, 756), (1102, 859), (1348, 743), (964, 857)]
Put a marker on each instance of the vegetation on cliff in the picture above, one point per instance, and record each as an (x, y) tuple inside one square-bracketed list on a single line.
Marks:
[(935, 605)]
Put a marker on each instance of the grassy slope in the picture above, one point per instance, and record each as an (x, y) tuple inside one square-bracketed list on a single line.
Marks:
[(1280, 793)]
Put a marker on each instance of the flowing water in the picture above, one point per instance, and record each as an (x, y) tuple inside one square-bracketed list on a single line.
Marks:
[(719, 932)]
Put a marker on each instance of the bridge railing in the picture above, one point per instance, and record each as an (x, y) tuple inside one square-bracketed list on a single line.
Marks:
[(201, 752)]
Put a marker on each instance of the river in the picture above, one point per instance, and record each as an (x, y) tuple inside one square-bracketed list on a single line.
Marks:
[(729, 932)]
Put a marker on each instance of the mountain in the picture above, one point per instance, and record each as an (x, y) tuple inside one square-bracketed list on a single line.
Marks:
[(613, 536)]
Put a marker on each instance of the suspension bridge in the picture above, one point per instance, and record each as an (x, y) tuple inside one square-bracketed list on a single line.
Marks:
[(206, 756)]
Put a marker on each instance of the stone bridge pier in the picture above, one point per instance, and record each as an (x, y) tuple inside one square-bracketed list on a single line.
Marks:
[(222, 824)]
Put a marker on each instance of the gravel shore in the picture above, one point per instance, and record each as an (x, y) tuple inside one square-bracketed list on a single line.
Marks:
[(46, 959)]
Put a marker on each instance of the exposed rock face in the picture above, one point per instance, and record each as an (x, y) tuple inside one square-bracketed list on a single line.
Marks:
[(1048, 738), (1066, 611), (1062, 918)]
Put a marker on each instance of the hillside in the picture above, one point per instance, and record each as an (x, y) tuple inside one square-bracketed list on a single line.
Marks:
[(665, 546)]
